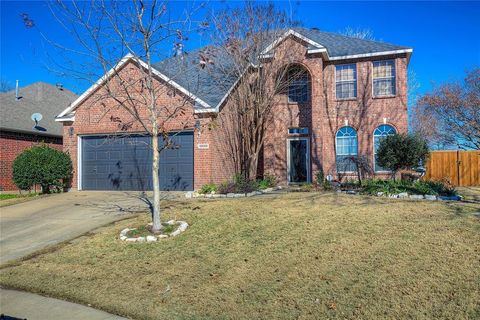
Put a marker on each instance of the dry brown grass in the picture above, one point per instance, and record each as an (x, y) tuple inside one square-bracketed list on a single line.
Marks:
[(470, 193), (301, 255)]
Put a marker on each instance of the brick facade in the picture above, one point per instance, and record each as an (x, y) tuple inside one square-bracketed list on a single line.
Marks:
[(14, 143), (99, 114), (323, 115)]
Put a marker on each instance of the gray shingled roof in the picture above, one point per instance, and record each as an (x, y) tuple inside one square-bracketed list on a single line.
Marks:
[(15, 115), (186, 72), (339, 45)]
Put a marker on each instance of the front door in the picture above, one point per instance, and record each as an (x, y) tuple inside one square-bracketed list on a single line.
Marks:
[(298, 160)]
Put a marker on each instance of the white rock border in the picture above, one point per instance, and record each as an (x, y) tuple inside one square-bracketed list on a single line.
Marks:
[(181, 227), (405, 195), (402, 195), (195, 194)]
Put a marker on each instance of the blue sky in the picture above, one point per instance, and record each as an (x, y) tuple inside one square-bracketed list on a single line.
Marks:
[(444, 35)]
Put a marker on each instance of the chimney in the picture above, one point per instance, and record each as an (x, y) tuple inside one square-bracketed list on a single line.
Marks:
[(17, 97)]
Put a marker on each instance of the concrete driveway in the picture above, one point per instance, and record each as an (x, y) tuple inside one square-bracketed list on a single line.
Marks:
[(33, 225)]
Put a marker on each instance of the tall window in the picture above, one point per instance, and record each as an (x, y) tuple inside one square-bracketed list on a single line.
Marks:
[(346, 81), (298, 84), (380, 133), (384, 78), (347, 149)]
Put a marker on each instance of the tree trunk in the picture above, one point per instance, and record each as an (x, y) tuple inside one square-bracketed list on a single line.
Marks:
[(359, 174), (46, 189), (156, 183), (252, 166)]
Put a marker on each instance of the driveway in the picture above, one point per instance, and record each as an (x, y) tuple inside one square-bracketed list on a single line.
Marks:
[(33, 225)]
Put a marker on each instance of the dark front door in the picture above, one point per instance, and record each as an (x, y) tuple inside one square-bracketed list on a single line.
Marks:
[(298, 161), (125, 163)]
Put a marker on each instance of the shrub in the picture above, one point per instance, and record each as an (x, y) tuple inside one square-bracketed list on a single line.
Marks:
[(320, 177), (401, 151), (388, 187), (435, 188), (44, 166), (327, 185), (226, 187), (208, 188), (321, 181), (238, 185), (268, 181)]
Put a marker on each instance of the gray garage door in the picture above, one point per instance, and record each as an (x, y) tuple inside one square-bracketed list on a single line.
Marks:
[(124, 163)]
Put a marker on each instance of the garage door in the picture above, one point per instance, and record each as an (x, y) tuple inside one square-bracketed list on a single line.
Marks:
[(124, 163)]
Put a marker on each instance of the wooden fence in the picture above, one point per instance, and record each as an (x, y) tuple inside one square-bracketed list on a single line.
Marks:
[(461, 168)]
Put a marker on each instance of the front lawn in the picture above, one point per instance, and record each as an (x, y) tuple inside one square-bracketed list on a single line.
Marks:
[(6, 196), (13, 198), (299, 255)]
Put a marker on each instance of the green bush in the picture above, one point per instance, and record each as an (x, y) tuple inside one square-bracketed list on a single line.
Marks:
[(321, 181), (268, 181), (388, 187), (435, 188), (208, 188), (42, 165), (401, 151), (320, 177), (238, 185)]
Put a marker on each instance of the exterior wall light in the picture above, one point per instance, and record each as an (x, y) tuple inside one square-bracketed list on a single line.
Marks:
[(198, 126)]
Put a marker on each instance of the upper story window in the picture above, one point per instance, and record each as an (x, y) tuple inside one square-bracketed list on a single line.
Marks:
[(346, 81), (298, 84), (384, 78)]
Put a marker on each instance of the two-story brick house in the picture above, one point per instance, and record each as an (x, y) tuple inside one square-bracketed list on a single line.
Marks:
[(354, 92)]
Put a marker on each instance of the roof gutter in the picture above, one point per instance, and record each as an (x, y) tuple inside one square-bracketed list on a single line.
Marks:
[(65, 118), (35, 133), (373, 54)]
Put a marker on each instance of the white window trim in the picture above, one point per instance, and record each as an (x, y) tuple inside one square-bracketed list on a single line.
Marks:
[(298, 128), (79, 163), (309, 178), (335, 81), (373, 146), (336, 145), (384, 78)]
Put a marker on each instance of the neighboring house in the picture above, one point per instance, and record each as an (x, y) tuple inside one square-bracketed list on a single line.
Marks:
[(354, 93), (17, 129)]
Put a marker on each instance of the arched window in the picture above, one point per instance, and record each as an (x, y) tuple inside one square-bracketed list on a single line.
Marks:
[(380, 133), (347, 149), (298, 84)]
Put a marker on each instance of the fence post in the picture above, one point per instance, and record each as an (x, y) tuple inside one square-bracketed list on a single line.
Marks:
[(458, 168)]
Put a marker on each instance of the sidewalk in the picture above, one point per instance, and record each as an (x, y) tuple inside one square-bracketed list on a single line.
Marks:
[(30, 306)]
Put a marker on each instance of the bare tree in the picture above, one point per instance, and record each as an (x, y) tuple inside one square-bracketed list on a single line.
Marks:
[(356, 109), (450, 114), (5, 85), (359, 33), (242, 63), (104, 32)]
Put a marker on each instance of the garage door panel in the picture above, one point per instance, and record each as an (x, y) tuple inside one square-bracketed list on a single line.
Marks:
[(114, 154), (124, 163)]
